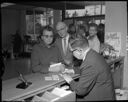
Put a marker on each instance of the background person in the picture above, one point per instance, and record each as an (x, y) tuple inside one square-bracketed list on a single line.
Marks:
[(81, 31), (72, 30), (101, 32), (94, 42), (63, 43)]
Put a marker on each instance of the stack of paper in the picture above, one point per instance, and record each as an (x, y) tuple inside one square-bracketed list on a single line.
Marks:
[(46, 97), (56, 95), (69, 71), (60, 92), (53, 77), (121, 94), (55, 67)]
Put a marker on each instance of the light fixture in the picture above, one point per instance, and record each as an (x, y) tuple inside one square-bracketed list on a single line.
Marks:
[(6, 4)]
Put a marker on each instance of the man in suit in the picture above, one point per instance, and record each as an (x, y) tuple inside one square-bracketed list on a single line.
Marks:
[(95, 82), (63, 43)]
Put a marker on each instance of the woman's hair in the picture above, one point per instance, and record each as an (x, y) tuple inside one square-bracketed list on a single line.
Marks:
[(47, 28), (93, 25), (82, 27), (101, 26), (70, 30)]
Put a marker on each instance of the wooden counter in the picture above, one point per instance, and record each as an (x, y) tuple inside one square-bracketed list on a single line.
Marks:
[(39, 85)]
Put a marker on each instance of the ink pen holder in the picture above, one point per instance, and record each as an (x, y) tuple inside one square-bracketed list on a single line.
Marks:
[(23, 85)]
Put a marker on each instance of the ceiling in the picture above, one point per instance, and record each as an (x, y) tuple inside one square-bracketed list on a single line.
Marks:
[(58, 5)]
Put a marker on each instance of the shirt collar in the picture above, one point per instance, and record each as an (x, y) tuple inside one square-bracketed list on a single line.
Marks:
[(85, 53), (67, 37)]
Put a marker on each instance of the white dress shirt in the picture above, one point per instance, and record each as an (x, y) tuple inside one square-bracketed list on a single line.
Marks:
[(63, 44), (94, 43)]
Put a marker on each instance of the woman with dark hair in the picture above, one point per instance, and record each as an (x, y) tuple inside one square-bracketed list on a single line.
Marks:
[(72, 31), (100, 33), (46, 52), (81, 31)]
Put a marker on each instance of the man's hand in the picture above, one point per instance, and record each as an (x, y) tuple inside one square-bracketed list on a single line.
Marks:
[(67, 78)]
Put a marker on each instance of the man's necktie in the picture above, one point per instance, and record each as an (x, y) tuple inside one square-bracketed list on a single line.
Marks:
[(65, 46)]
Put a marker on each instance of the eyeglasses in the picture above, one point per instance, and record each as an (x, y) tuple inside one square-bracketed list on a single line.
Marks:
[(77, 50), (61, 29), (51, 36)]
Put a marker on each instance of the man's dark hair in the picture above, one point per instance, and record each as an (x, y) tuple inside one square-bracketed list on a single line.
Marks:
[(80, 42)]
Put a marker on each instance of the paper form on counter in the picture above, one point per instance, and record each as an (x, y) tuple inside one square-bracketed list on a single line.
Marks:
[(52, 77), (60, 92)]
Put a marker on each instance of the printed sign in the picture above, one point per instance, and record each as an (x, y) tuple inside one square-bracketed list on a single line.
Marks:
[(114, 39)]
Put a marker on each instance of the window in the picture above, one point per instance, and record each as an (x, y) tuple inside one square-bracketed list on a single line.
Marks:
[(38, 18), (89, 11), (93, 13)]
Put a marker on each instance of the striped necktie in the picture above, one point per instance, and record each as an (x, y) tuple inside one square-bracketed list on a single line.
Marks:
[(65, 45)]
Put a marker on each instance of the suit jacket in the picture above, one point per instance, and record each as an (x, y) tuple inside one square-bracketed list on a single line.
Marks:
[(95, 82), (68, 56)]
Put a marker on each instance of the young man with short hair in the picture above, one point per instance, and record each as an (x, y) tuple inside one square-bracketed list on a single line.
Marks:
[(95, 82)]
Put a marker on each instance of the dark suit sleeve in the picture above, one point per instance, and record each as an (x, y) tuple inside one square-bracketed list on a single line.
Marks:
[(86, 82), (36, 66)]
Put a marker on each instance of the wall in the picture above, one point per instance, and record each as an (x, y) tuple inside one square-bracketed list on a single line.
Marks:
[(13, 20), (57, 18), (116, 21), (10, 23)]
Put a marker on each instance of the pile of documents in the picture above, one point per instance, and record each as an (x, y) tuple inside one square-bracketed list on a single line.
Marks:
[(56, 95), (52, 77), (47, 97), (68, 71), (55, 67), (60, 92), (121, 94)]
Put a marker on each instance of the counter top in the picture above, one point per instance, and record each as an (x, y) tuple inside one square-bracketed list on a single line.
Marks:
[(39, 84)]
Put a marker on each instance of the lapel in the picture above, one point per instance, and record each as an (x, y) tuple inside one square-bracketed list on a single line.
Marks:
[(59, 43)]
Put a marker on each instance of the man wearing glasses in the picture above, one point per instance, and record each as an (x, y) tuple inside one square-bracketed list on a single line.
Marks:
[(95, 82), (63, 43), (45, 53)]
